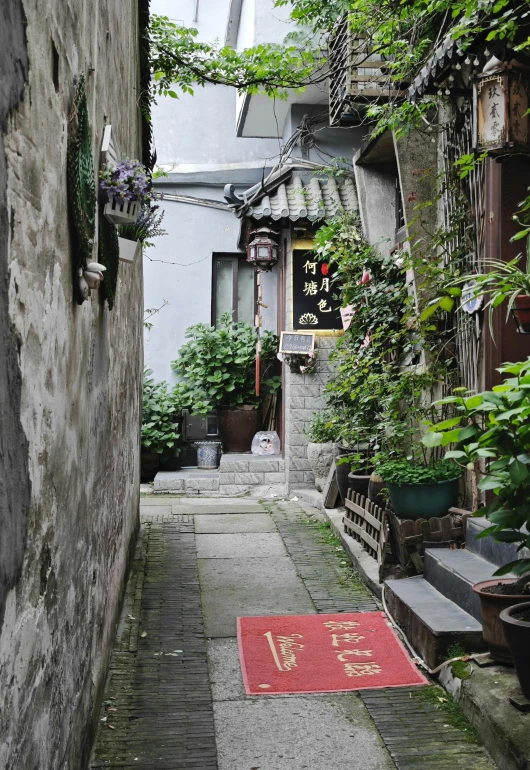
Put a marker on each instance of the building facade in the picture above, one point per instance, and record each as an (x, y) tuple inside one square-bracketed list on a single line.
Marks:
[(70, 382)]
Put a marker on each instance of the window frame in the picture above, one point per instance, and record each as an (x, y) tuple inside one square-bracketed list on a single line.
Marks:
[(233, 257)]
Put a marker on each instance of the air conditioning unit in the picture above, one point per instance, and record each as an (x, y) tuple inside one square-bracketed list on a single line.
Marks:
[(357, 77)]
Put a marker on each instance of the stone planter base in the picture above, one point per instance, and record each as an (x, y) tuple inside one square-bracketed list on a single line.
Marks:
[(320, 457)]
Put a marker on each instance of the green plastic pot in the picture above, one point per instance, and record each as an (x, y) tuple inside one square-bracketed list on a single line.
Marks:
[(423, 501)]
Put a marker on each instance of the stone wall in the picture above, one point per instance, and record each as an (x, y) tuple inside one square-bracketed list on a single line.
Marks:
[(302, 393), (70, 386)]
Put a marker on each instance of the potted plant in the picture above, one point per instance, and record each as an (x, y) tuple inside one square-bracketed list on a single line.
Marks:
[(420, 490), (492, 435), (217, 371), (516, 626), (124, 186), (133, 237), (160, 431), (322, 448), (502, 281)]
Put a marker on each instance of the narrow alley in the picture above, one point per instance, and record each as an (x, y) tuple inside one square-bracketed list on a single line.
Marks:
[(175, 696)]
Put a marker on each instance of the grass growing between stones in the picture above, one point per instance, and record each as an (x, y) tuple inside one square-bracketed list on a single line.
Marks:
[(445, 702), (459, 668), (324, 534)]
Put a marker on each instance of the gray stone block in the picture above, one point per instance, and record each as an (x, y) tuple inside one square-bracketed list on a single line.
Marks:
[(265, 466), (299, 464), (168, 482), (233, 466), (203, 485), (309, 477), (295, 477), (295, 402), (227, 478), (326, 342), (249, 478), (305, 390), (274, 478), (298, 440)]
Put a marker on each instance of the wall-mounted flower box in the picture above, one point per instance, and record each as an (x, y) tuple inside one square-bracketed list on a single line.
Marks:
[(129, 250), (121, 212)]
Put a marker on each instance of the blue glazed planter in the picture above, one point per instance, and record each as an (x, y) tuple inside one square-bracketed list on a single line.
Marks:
[(423, 501), (208, 454)]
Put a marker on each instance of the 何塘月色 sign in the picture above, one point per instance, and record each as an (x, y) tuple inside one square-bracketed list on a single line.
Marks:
[(314, 307)]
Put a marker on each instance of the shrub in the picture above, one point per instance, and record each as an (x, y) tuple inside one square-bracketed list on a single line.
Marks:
[(323, 428), (161, 417), (217, 366), (407, 472)]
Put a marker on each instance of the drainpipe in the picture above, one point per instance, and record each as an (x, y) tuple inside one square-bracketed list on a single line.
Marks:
[(196, 17)]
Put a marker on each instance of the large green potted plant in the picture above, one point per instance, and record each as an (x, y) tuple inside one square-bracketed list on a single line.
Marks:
[(492, 436), (420, 490), (160, 433), (217, 371)]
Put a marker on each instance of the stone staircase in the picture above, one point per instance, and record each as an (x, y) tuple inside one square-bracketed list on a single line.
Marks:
[(440, 608), (237, 474)]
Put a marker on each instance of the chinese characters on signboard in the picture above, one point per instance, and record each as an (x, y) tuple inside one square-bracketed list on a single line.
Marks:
[(502, 104), (314, 307)]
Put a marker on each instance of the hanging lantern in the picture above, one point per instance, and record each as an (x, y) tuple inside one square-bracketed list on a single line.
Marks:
[(262, 252), (501, 101)]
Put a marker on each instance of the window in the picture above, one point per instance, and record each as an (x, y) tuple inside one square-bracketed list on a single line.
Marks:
[(234, 288)]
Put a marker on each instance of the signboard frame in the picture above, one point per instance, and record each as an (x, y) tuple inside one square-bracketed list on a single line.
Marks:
[(282, 349)]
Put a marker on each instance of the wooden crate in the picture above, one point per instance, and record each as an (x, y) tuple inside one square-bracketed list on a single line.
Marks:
[(410, 538), (367, 523)]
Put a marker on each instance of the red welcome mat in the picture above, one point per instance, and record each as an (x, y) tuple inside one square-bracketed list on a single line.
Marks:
[(322, 653)]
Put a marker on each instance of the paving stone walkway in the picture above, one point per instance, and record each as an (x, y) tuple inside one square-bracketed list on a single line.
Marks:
[(175, 697)]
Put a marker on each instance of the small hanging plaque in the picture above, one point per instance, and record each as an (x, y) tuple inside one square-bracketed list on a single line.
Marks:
[(471, 302)]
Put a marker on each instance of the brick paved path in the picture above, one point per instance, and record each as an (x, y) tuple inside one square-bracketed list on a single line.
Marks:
[(175, 697)]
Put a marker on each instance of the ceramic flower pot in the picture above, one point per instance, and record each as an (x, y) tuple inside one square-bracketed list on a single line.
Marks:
[(517, 634), (423, 501), (238, 426), (320, 457), (491, 606)]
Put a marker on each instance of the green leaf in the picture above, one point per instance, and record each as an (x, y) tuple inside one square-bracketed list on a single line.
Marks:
[(468, 432), (432, 439), (454, 454), (447, 303), (518, 472), (428, 312)]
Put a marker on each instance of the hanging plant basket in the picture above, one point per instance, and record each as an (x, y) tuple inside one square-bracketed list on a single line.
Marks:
[(129, 250), (121, 212), (521, 313)]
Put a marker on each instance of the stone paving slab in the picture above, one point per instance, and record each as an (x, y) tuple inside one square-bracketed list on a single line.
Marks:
[(198, 506), (257, 545), (240, 587), (234, 522), (225, 670), (298, 733)]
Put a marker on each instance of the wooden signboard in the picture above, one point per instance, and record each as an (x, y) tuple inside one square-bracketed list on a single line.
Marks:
[(297, 342), (312, 293)]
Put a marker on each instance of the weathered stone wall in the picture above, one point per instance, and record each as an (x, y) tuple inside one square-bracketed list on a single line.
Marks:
[(70, 386)]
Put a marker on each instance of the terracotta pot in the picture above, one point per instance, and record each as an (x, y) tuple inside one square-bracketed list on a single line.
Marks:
[(522, 311), (237, 427), (491, 606), (517, 632), (149, 466)]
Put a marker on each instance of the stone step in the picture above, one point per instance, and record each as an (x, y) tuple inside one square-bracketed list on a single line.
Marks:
[(453, 573), (431, 620), (249, 463), (187, 480), (496, 553), (240, 473)]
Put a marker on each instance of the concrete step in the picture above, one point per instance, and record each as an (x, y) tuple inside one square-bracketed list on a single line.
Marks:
[(453, 573), (487, 548), (432, 621), (187, 480)]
